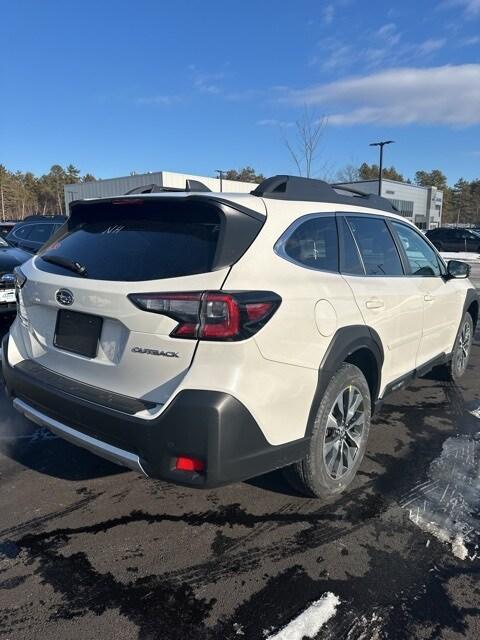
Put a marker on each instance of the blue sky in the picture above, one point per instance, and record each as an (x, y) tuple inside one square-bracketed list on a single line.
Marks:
[(116, 86)]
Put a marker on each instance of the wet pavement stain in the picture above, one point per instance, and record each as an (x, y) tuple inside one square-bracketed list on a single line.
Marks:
[(261, 554)]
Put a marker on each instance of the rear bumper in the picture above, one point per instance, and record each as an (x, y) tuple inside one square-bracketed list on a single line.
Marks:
[(209, 425)]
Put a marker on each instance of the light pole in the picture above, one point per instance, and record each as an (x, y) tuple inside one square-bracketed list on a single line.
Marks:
[(220, 175), (381, 145)]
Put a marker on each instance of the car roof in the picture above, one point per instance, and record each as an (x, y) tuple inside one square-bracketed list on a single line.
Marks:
[(290, 209)]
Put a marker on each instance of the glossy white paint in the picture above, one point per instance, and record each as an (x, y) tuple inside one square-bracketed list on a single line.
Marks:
[(273, 374)]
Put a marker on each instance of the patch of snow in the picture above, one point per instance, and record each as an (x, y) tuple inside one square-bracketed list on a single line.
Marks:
[(446, 506), (460, 255), (476, 412), (366, 628), (309, 623)]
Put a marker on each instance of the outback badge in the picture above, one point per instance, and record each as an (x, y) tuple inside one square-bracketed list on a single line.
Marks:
[(155, 352)]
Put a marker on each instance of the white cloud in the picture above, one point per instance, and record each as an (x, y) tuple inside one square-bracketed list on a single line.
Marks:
[(328, 13), (470, 7), (339, 57), (207, 83), (158, 101), (468, 42), (438, 95), (389, 33), (431, 45), (271, 122)]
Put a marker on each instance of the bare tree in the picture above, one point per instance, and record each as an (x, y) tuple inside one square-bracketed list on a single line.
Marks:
[(349, 173), (303, 145)]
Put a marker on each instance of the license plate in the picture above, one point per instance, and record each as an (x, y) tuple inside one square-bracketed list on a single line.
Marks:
[(78, 333), (7, 295)]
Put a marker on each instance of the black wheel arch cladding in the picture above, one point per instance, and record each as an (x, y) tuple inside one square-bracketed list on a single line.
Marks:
[(347, 342)]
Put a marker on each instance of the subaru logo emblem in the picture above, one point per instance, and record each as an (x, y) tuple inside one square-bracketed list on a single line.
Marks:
[(64, 297), (8, 277)]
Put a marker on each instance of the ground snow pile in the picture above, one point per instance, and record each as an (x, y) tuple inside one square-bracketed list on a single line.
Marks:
[(309, 623), (460, 255), (446, 505)]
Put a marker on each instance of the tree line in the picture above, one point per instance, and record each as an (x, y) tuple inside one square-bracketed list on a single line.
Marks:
[(461, 201), (23, 194)]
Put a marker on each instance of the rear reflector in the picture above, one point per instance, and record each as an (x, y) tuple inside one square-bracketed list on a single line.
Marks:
[(183, 463), (212, 315)]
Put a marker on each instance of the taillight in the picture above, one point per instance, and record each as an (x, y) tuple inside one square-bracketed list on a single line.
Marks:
[(212, 315)]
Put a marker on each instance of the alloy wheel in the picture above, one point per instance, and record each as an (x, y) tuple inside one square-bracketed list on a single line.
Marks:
[(463, 348), (343, 435)]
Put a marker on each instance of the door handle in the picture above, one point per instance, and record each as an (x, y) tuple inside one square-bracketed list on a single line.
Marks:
[(374, 304), (428, 298)]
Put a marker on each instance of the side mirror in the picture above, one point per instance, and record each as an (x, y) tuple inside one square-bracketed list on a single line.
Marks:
[(458, 269)]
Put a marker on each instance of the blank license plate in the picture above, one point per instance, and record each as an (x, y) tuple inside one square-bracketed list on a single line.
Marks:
[(7, 295), (78, 333)]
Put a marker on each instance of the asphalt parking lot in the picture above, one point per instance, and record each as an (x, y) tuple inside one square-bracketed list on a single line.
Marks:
[(88, 550)]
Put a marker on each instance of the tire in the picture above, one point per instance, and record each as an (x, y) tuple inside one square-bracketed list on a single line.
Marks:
[(336, 449), (462, 349)]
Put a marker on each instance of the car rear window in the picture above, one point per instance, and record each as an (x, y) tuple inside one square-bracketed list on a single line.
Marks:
[(135, 242)]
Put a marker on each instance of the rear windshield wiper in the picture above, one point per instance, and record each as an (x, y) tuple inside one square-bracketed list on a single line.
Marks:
[(71, 265)]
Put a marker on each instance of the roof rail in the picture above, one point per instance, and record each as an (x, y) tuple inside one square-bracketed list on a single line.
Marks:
[(311, 190), (190, 185)]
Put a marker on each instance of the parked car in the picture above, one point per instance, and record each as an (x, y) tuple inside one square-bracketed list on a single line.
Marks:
[(10, 258), (30, 234), (207, 338), (446, 239), (5, 228)]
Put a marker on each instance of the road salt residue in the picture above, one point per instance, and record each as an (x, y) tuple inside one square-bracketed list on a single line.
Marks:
[(447, 504), (39, 435), (309, 623)]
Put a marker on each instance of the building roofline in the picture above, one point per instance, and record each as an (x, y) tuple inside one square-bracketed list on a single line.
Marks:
[(407, 184)]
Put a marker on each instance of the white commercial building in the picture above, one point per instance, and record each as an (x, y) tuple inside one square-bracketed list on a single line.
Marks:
[(421, 205), (119, 186)]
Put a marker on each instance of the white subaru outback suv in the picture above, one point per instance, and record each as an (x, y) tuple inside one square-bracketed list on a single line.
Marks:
[(207, 338)]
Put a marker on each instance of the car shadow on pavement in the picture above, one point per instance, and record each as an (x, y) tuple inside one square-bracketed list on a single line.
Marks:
[(37, 449), (274, 482)]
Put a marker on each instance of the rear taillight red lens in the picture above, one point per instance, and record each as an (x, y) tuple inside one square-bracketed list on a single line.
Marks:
[(212, 315)]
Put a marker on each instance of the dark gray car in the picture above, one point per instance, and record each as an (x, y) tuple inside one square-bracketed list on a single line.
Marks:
[(10, 257), (32, 233), (446, 239)]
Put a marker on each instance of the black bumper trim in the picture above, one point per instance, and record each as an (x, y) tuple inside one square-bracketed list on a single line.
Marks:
[(209, 425), (84, 391)]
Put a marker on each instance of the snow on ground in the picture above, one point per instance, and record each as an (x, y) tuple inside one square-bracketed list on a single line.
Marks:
[(309, 623), (460, 255), (446, 505)]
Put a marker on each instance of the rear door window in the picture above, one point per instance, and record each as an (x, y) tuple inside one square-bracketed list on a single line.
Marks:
[(313, 243), (22, 233), (123, 242), (379, 253), (40, 232)]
